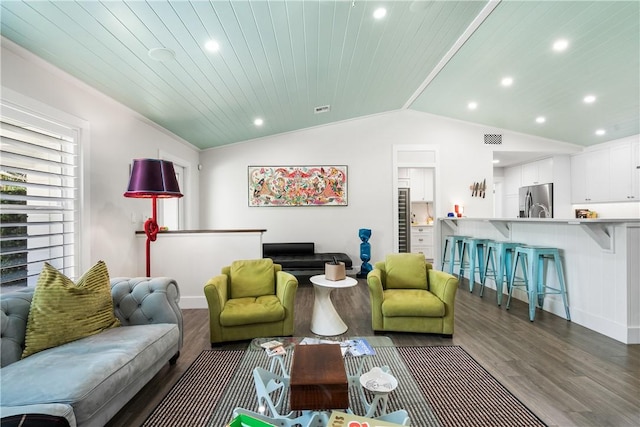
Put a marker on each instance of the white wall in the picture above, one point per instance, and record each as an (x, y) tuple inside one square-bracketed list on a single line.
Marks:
[(116, 136), (365, 146)]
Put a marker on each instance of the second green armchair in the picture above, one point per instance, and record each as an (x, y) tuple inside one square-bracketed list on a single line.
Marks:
[(407, 295), (250, 299)]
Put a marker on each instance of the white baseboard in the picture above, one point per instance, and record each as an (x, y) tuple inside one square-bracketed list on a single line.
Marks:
[(190, 302)]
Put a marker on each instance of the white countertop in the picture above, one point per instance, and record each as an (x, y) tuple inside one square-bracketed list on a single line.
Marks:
[(550, 220)]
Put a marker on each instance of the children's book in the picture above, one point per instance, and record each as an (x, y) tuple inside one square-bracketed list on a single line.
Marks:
[(341, 419), (271, 344), (276, 351), (357, 347), (274, 348)]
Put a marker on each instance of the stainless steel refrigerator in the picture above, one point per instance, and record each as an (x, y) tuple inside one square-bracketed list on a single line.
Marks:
[(404, 220), (536, 201)]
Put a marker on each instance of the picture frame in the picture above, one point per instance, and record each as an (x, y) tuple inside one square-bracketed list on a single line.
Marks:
[(294, 186)]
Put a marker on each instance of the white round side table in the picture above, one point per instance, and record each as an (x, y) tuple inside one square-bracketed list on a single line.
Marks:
[(325, 320)]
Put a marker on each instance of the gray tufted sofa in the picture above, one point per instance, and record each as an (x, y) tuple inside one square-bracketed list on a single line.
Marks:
[(89, 380)]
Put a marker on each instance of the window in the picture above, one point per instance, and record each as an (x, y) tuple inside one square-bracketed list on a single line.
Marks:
[(38, 197)]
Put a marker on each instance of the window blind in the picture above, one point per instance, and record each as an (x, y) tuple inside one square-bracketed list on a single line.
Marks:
[(38, 200)]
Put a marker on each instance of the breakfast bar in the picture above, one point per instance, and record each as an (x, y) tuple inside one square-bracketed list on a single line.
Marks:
[(600, 258)]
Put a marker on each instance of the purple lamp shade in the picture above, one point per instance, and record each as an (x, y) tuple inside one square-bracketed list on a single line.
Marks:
[(153, 178)]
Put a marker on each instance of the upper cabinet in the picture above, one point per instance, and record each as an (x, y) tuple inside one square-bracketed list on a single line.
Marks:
[(590, 180), (403, 178), (608, 174), (538, 172), (419, 180), (625, 172)]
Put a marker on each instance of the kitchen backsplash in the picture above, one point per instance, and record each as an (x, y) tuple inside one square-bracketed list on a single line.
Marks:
[(421, 211), (613, 210)]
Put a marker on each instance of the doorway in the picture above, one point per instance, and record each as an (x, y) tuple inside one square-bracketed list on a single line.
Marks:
[(415, 168)]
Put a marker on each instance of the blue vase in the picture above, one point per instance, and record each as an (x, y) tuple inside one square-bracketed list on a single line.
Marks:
[(365, 252)]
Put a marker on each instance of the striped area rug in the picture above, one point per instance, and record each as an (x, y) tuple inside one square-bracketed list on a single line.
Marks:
[(438, 386), (191, 400), (461, 392)]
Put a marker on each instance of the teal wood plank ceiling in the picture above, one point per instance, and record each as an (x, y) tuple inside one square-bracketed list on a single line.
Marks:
[(277, 60)]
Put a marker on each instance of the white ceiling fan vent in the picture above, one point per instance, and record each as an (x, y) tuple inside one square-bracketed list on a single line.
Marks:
[(492, 139), (322, 109)]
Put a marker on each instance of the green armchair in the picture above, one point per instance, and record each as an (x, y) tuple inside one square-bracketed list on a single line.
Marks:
[(250, 299), (407, 295)]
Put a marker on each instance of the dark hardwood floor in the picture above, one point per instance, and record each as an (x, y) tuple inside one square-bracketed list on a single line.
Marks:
[(566, 374)]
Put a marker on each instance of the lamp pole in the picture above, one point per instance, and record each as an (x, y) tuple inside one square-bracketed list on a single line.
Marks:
[(151, 230)]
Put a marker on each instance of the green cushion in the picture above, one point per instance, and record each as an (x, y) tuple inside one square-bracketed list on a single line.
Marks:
[(62, 311), (411, 303), (252, 278), (248, 311), (405, 271)]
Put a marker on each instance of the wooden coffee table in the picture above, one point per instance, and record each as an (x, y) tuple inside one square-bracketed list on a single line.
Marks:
[(325, 320), (318, 378)]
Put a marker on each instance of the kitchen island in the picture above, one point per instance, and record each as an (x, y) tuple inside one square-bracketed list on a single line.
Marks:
[(601, 265)]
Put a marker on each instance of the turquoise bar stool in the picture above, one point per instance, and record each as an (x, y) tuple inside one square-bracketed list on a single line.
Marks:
[(474, 250), (451, 243), (500, 254), (532, 259)]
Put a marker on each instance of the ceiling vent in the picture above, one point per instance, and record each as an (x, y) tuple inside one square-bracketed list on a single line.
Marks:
[(492, 139), (322, 109)]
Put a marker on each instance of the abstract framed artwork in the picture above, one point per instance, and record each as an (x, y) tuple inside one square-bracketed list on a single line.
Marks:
[(297, 186)]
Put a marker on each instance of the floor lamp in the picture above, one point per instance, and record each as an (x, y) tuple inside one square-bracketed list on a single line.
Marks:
[(152, 179)]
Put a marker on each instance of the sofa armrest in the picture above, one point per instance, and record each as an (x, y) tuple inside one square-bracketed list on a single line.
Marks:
[(376, 295), (144, 301), (286, 287), (444, 286), (53, 414), (217, 294)]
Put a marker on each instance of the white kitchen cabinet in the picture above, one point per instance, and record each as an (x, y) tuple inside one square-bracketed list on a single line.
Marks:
[(624, 172), (421, 184), (538, 172), (591, 177), (635, 169), (422, 240), (403, 178)]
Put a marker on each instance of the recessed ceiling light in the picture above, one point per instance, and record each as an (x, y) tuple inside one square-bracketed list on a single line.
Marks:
[(380, 13), (560, 45), (507, 81), (600, 132), (212, 46), (161, 54), (258, 122), (540, 119), (496, 161), (589, 99), (472, 105)]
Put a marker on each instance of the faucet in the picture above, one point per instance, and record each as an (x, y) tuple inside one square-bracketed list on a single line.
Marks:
[(544, 212)]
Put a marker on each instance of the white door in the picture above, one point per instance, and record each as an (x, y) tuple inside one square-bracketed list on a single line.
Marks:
[(497, 198), (171, 211)]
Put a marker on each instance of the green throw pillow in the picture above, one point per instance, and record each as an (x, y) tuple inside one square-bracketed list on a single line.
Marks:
[(406, 271), (62, 311), (252, 278)]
